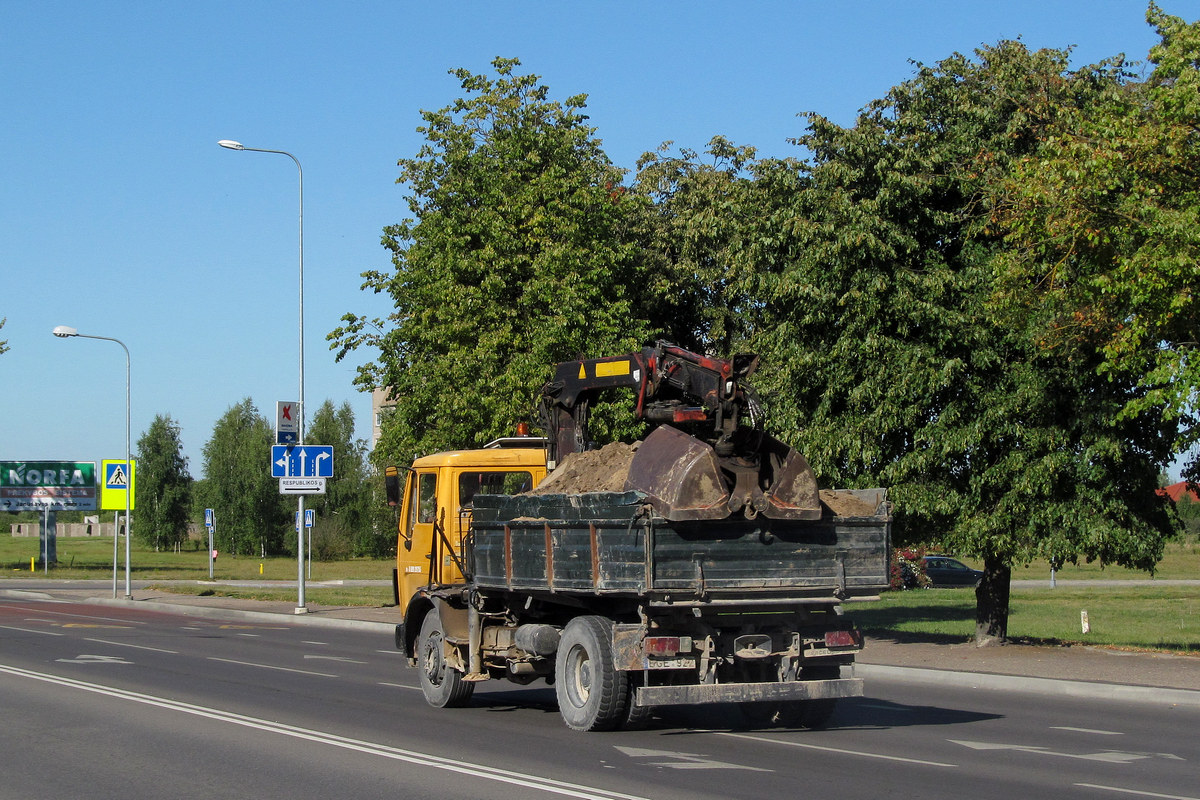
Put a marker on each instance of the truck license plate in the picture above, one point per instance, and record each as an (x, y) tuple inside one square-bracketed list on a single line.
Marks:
[(669, 663)]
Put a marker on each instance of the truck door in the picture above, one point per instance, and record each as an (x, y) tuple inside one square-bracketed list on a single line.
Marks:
[(418, 515)]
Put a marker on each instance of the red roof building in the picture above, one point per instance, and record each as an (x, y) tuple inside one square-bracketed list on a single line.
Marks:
[(1177, 490)]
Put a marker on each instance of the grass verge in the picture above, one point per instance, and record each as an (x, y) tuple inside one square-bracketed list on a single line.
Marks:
[(1141, 616)]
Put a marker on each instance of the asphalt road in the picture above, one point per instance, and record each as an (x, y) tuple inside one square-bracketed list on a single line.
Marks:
[(113, 701)]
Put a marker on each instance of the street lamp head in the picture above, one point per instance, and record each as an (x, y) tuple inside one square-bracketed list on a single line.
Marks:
[(65, 331), (230, 144)]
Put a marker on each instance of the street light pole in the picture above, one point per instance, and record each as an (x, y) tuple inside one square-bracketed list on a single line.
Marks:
[(229, 144), (67, 332)]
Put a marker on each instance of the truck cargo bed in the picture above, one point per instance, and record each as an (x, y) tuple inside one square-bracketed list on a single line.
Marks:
[(613, 543)]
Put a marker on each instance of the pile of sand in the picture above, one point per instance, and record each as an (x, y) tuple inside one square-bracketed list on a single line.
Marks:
[(602, 470), (845, 505)]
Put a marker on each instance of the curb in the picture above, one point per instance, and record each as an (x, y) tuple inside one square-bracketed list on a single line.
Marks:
[(1089, 690), (311, 619)]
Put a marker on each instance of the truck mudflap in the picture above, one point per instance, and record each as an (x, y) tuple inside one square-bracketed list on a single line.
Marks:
[(748, 692)]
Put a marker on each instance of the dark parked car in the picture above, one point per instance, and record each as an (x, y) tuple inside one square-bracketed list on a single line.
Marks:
[(946, 571)]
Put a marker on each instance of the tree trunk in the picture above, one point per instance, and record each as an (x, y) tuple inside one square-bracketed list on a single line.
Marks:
[(991, 603)]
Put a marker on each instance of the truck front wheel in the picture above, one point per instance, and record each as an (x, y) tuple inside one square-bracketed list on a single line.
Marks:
[(443, 685), (593, 695)]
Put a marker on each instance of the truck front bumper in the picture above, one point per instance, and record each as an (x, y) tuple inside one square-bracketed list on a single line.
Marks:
[(748, 692)]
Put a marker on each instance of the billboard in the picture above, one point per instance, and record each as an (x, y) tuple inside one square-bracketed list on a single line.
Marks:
[(47, 485)]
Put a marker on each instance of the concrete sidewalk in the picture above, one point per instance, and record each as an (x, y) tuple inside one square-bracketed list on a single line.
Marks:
[(1077, 670)]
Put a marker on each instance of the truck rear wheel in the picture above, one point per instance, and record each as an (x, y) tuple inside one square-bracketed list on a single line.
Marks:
[(443, 685), (593, 695)]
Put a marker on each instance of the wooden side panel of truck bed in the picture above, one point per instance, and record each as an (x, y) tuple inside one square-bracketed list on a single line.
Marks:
[(611, 543)]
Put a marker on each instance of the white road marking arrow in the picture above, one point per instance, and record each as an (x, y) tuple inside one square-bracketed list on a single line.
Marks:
[(87, 659), (1111, 756), (283, 464), (683, 760)]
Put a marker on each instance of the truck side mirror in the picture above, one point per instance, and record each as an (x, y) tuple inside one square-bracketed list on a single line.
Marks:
[(391, 485)]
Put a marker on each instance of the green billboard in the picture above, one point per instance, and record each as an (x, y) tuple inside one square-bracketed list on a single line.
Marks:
[(47, 485)]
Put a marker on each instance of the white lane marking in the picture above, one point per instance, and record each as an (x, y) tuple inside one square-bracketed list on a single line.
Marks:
[(468, 768), (320, 643), (343, 659), (1137, 792), (80, 616), (838, 750), (31, 630), (1085, 730), (272, 666), (398, 685), (135, 646)]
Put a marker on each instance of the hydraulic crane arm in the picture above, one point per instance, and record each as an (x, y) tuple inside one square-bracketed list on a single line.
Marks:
[(708, 455)]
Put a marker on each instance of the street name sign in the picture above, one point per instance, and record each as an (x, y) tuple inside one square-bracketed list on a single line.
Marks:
[(47, 485), (302, 486), (302, 461)]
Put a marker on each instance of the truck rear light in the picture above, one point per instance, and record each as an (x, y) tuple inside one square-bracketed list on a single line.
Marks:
[(666, 646), (842, 639)]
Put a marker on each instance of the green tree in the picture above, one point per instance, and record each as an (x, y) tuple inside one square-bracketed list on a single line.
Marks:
[(887, 354), (520, 253), (4, 348), (343, 525), (699, 214), (163, 488), (250, 513), (1102, 227)]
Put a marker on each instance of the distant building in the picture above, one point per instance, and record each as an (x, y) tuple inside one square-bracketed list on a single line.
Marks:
[(1177, 490), (381, 403)]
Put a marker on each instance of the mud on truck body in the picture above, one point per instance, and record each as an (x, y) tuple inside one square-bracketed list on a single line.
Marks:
[(701, 565)]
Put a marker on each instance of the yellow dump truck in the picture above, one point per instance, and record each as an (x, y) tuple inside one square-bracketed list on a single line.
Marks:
[(683, 569)]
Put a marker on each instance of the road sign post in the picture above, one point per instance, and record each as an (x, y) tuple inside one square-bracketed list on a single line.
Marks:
[(210, 523)]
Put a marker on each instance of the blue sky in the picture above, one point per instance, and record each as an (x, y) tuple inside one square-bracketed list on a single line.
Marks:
[(120, 215)]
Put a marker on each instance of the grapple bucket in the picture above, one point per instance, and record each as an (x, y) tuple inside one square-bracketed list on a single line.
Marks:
[(680, 475), (684, 479)]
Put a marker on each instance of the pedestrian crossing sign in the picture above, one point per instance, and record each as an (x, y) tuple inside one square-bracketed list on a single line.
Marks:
[(119, 477)]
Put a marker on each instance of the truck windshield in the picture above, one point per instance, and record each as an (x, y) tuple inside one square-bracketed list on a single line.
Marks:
[(473, 483)]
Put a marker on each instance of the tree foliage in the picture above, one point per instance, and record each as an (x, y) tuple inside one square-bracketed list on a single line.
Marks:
[(4, 348), (250, 514), (163, 487), (889, 353), (520, 253), (699, 214), (1102, 223), (343, 527)]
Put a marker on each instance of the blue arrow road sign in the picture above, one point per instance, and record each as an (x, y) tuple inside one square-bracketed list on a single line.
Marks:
[(302, 461)]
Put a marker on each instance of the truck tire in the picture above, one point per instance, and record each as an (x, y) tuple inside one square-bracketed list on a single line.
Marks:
[(443, 685), (593, 695), (815, 714)]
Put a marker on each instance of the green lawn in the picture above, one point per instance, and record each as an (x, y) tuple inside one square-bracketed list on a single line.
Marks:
[(1137, 616), (84, 558)]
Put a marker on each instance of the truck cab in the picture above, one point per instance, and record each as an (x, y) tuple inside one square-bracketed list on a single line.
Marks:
[(435, 500)]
